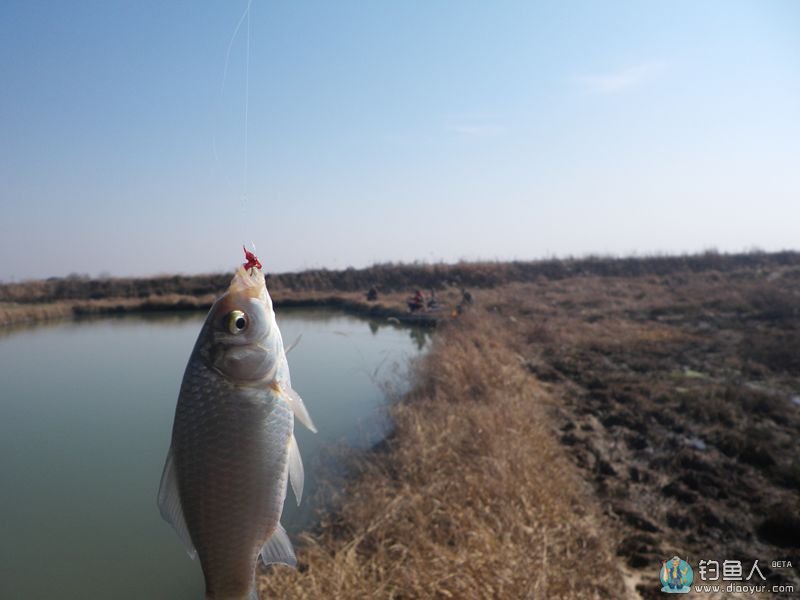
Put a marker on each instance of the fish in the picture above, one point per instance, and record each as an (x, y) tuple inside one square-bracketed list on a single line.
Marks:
[(233, 451)]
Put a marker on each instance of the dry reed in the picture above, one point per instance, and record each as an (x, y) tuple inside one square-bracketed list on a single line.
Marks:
[(473, 499)]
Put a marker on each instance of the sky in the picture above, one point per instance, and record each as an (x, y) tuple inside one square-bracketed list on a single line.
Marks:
[(148, 137)]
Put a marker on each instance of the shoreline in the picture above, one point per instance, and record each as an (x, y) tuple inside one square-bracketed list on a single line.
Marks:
[(22, 314), (33, 301), (60, 297)]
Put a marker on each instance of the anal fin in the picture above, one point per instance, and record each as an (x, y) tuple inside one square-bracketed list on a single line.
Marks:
[(278, 549), (296, 474)]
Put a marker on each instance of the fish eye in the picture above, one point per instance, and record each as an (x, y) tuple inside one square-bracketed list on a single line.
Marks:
[(236, 321)]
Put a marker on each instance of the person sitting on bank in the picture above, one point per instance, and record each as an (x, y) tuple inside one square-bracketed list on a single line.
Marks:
[(416, 302), (433, 303)]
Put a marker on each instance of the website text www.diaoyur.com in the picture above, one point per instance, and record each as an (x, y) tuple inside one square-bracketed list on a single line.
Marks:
[(737, 588)]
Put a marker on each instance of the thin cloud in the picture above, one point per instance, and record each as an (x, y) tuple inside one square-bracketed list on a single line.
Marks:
[(619, 81)]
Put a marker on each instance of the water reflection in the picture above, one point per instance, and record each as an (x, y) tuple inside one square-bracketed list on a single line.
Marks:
[(419, 335), (87, 414)]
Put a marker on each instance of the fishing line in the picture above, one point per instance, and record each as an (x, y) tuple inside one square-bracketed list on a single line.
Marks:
[(230, 44), (246, 103), (246, 150), (234, 35)]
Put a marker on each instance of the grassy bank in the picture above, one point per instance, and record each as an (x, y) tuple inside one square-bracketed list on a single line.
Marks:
[(568, 431), (389, 306), (76, 295), (20, 313), (393, 278), (471, 498)]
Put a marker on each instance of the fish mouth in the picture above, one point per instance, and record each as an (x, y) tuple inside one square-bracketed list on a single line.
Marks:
[(249, 283)]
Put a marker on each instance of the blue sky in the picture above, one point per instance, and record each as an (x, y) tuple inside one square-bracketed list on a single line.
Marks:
[(392, 131)]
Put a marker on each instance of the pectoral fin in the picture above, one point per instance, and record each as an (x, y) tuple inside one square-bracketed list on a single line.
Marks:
[(278, 549), (294, 343), (299, 409), (296, 476), (169, 504)]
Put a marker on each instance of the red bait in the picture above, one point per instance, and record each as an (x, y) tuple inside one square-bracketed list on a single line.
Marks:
[(252, 260)]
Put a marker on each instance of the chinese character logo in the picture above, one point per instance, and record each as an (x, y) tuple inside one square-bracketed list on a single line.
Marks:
[(731, 570), (676, 576)]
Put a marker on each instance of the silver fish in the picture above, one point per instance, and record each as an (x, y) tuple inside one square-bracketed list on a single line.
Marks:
[(233, 446)]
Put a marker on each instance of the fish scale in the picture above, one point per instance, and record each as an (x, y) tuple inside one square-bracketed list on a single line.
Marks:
[(223, 495)]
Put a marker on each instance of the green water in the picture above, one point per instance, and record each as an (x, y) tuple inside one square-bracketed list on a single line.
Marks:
[(86, 414)]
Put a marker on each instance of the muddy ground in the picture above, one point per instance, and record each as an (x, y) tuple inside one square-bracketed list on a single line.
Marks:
[(681, 404)]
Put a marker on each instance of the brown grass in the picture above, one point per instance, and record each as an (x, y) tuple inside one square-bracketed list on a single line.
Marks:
[(15, 313), (389, 305), (401, 278), (476, 498), (652, 392), (473, 499)]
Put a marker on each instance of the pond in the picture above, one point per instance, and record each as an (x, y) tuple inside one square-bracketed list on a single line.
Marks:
[(85, 423)]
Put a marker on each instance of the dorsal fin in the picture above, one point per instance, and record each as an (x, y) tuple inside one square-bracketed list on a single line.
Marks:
[(294, 344)]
